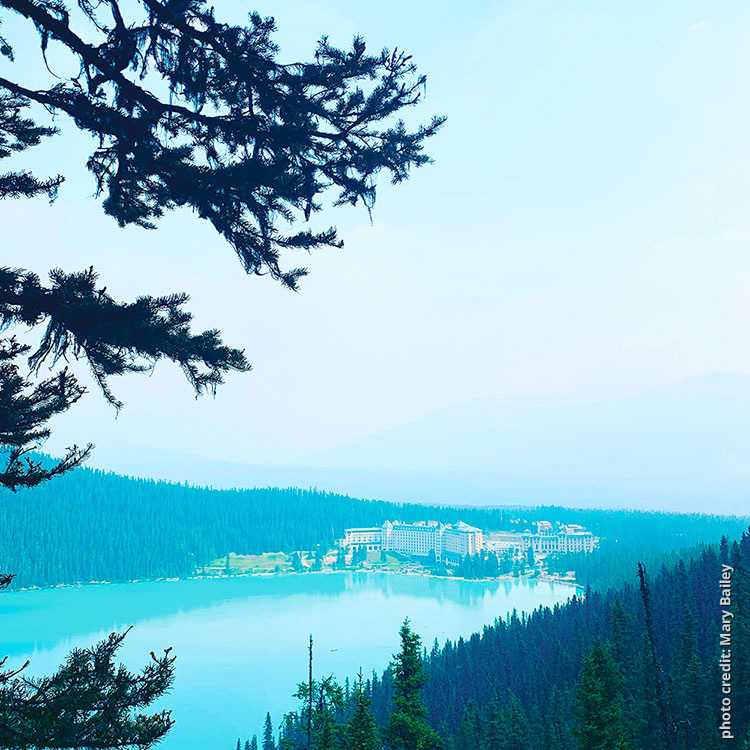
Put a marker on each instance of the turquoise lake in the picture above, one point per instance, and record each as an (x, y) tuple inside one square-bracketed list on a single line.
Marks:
[(241, 643)]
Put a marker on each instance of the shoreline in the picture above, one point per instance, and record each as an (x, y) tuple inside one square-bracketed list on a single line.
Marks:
[(272, 574)]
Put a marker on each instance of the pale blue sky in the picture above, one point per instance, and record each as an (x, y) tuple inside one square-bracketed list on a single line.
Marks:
[(584, 230)]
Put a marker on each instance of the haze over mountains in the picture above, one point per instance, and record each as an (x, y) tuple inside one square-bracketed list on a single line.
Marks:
[(685, 446)]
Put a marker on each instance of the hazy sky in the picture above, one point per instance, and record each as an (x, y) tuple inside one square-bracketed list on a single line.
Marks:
[(584, 230)]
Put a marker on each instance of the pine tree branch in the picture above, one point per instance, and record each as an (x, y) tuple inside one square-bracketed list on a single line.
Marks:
[(114, 338), (89, 702), (245, 141)]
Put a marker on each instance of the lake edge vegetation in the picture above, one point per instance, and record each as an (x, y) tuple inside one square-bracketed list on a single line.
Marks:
[(633, 668)]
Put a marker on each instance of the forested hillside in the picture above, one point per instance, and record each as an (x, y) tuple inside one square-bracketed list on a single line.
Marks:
[(91, 526), (663, 663), (584, 674)]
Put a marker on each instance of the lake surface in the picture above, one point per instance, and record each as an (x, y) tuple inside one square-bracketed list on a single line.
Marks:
[(241, 643)]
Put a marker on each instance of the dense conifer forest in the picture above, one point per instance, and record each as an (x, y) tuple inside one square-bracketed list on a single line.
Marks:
[(566, 677), (92, 526), (637, 668)]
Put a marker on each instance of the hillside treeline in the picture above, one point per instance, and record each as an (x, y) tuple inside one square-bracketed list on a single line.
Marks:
[(94, 526), (637, 668)]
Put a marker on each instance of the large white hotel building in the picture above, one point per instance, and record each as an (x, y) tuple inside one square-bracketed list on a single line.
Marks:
[(568, 538), (451, 543)]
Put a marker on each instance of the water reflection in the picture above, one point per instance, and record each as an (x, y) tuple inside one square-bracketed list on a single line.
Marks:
[(241, 642), (33, 619)]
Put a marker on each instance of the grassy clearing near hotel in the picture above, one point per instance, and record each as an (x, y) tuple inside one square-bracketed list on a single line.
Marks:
[(281, 562), (392, 559), (267, 562)]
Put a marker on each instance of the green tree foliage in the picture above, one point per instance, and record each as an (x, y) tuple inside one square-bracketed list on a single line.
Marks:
[(184, 111), (88, 703), (644, 711), (551, 671), (340, 563), (693, 716), (317, 725), (189, 527), (361, 732), (330, 719), (469, 732), (318, 561), (407, 728), (328, 701), (505, 727), (17, 133), (246, 141), (740, 563), (81, 320), (25, 410), (481, 565), (516, 725), (599, 703), (268, 742), (314, 726), (296, 562)]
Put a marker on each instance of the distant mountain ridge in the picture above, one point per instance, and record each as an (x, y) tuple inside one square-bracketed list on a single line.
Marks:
[(679, 447), (697, 430)]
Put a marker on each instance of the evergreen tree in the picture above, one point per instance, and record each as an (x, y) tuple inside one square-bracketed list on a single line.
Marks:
[(658, 675), (740, 561), (724, 550), (600, 722), (318, 563), (647, 733), (340, 562), (88, 702), (560, 735), (517, 725), (316, 726), (296, 562), (269, 743), (291, 735), (493, 734), (493, 566), (361, 732), (17, 133), (254, 743), (83, 321), (693, 717), (328, 703), (191, 527), (407, 728), (623, 635), (248, 146), (468, 736)]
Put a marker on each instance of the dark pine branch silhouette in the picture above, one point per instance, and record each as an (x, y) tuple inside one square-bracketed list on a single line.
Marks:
[(245, 141), (83, 321), (18, 133), (89, 702), (667, 724), (187, 111)]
